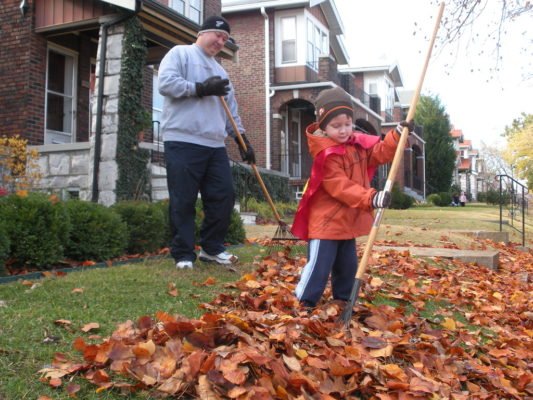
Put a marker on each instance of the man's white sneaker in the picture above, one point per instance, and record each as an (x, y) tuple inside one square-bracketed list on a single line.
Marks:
[(184, 264), (223, 258)]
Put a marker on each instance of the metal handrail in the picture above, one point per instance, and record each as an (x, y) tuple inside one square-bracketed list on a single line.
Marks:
[(515, 200)]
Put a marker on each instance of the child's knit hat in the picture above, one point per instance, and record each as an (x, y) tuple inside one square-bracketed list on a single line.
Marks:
[(330, 103)]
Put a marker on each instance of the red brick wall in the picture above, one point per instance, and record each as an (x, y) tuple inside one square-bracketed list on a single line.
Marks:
[(211, 7), (15, 55), (248, 31)]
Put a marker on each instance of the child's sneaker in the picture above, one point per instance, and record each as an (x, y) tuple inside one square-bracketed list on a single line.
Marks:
[(223, 258), (184, 264)]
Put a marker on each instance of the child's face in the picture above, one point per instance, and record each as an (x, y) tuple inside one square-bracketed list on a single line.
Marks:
[(339, 128)]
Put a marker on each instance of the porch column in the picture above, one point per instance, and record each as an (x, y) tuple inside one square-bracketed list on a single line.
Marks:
[(107, 173)]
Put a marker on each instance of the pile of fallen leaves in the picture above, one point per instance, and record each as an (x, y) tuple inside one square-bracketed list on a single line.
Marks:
[(259, 344)]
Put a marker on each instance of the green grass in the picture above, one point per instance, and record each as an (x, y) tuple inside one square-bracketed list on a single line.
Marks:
[(110, 296), (114, 295)]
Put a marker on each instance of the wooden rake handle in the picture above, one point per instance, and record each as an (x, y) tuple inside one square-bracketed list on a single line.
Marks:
[(399, 152), (254, 167)]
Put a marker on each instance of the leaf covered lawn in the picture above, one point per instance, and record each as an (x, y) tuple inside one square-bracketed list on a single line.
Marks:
[(422, 329)]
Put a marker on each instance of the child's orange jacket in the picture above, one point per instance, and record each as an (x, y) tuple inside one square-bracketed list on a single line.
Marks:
[(337, 204)]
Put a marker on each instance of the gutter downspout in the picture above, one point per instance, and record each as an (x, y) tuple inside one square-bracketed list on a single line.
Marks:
[(267, 87), (100, 99)]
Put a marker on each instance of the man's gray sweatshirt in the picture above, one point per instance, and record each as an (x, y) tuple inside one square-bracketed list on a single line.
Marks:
[(187, 117)]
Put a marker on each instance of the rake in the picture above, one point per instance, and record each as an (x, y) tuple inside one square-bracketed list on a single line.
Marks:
[(346, 314), (283, 237)]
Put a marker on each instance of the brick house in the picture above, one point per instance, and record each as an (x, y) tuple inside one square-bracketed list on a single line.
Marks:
[(56, 94), (470, 173), (60, 63), (381, 87), (290, 50)]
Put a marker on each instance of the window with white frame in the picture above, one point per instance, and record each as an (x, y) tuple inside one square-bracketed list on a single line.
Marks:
[(288, 40), (191, 9), (60, 107), (317, 43)]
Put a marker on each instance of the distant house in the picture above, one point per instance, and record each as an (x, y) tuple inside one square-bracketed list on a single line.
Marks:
[(470, 172)]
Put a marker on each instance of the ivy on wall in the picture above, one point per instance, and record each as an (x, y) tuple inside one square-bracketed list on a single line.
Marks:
[(133, 176)]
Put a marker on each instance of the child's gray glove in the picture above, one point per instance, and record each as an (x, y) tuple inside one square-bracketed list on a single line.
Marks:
[(381, 199), (403, 124)]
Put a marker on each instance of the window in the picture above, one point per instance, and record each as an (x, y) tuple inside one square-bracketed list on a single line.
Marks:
[(317, 44), (191, 9), (288, 40), (60, 107), (157, 108)]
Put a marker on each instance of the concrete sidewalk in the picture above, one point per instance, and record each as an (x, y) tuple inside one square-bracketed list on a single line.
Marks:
[(487, 258)]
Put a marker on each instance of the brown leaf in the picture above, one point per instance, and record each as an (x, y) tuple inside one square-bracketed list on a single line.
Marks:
[(172, 289), (292, 363), (90, 326), (72, 389)]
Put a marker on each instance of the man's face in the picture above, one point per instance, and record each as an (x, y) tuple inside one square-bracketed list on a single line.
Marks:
[(212, 42)]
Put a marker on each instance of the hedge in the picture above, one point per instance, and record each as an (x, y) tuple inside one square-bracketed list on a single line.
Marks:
[(97, 232)]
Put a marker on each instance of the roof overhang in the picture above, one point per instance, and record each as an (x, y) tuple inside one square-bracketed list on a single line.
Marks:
[(163, 26), (328, 7), (166, 27), (127, 4)]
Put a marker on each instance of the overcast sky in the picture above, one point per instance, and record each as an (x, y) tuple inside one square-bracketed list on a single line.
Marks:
[(380, 32)]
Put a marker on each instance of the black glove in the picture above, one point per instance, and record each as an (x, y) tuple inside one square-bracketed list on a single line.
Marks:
[(403, 124), (214, 86), (248, 155), (381, 199)]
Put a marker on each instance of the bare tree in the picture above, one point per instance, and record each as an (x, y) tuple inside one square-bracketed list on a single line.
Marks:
[(463, 21)]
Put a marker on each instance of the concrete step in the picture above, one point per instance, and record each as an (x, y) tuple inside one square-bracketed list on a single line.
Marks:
[(487, 258), (495, 236)]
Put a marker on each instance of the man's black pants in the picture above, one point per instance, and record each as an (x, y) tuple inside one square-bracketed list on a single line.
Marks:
[(193, 169)]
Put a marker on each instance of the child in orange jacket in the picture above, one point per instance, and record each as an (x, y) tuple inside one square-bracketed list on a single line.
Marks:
[(338, 203)]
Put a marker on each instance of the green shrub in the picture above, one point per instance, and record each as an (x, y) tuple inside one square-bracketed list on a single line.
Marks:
[(442, 199), (236, 233), (145, 223), (247, 185), (434, 199), (167, 236), (400, 200), (493, 197), (445, 199), (4, 248), (265, 212), (97, 233), (38, 228)]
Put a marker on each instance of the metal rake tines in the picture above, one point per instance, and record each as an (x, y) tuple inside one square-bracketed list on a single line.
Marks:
[(283, 232)]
